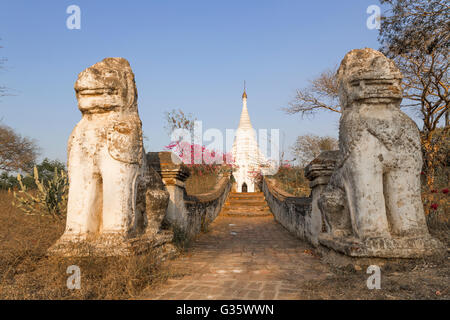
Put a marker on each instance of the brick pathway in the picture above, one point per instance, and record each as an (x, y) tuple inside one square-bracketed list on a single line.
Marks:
[(241, 258)]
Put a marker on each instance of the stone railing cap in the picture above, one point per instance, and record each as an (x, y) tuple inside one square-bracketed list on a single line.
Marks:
[(214, 194), (323, 165), (282, 195), (164, 161)]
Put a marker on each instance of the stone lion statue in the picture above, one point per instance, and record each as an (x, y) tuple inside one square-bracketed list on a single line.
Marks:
[(374, 192), (113, 193)]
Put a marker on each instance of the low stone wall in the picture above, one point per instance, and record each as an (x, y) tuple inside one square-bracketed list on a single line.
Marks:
[(293, 213), (189, 213), (301, 215), (204, 208)]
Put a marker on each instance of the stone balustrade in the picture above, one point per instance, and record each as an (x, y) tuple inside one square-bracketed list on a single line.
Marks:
[(293, 213), (190, 213), (301, 215), (318, 172)]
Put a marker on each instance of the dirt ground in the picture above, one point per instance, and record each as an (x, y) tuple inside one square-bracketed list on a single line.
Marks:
[(406, 279)]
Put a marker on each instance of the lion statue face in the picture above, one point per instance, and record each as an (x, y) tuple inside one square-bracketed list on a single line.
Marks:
[(366, 76), (106, 86)]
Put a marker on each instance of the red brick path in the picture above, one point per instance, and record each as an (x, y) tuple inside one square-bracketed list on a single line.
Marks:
[(242, 258)]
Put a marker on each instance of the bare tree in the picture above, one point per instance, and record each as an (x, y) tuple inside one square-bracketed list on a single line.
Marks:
[(2, 88), (321, 94), (416, 34), (177, 119), (308, 147), (16, 152)]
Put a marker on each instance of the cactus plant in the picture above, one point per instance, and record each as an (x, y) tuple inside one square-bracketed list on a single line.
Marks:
[(49, 198)]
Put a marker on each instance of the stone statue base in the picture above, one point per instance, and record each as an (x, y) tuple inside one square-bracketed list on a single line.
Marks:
[(108, 245), (404, 247)]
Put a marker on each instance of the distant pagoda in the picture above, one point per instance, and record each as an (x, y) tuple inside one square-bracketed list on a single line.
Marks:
[(246, 154)]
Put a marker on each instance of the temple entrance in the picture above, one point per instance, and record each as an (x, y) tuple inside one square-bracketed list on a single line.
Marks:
[(244, 187)]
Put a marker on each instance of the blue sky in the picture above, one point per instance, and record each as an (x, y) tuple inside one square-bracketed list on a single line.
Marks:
[(192, 55)]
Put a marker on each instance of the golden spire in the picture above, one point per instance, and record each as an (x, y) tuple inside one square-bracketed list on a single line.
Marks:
[(244, 122), (244, 95)]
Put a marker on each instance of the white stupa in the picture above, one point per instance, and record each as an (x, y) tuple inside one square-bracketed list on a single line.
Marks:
[(246, 154)]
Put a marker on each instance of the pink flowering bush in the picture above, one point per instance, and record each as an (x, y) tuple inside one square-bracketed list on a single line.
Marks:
[(204, 165), (200, 160)]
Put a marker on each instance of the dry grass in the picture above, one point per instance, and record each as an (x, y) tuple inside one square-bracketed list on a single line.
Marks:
[(438, 219), (292, 180), (436, 204), (26, 273)]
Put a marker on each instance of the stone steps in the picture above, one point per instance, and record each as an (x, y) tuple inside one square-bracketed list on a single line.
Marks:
[(251, 195), (246, 204), (243, 207)]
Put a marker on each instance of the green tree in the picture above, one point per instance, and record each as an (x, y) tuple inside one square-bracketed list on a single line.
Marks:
[(46, 169)]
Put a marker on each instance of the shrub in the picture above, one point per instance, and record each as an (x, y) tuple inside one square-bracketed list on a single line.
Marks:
[(45, 169), (205, 166), (292, 180), (49, 198)]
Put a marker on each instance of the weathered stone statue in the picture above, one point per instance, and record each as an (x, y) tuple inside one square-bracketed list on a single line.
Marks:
[(372, 204), (114, 196)]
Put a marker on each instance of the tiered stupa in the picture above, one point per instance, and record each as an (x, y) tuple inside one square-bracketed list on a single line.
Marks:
[(246, 154)]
